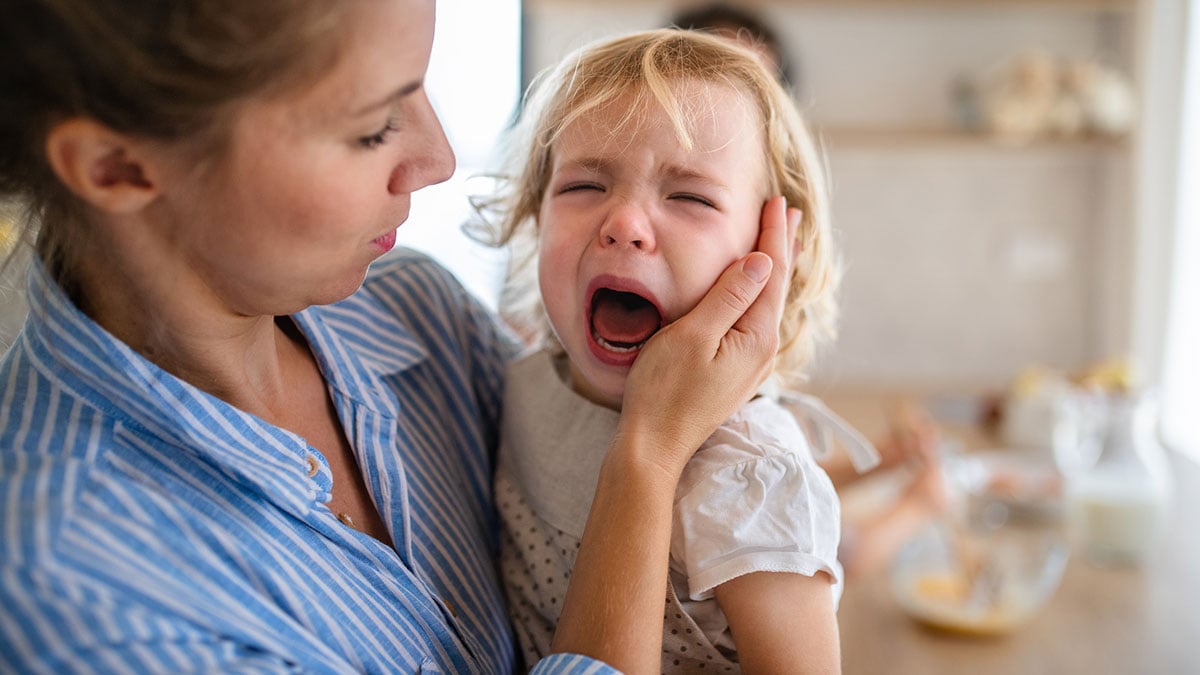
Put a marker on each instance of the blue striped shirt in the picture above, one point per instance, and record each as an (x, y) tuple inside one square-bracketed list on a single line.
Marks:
[(148, 527)]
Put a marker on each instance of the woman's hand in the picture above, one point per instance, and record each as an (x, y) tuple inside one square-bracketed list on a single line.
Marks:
[(691, 376), (695, 372)]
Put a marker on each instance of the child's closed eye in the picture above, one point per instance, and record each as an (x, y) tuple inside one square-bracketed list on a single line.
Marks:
[(580, 187), (691, 197)]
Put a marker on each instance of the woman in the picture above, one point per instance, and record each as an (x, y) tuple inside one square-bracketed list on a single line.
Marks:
[(220, 448)]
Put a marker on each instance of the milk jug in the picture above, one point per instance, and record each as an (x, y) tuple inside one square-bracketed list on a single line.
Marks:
[(1118, 503)]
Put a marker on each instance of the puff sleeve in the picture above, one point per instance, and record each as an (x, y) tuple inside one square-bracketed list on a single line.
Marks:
[(753, 499)]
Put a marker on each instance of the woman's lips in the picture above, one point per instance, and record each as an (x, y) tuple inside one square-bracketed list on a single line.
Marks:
[(385, 243)]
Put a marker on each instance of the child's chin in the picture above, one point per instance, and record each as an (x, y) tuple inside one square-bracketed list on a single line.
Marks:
[(608, 390)]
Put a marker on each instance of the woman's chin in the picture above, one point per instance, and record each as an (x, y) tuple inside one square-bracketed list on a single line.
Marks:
[(336, 290)]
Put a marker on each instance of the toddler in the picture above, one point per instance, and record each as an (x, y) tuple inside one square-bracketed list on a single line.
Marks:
[(644, 165)]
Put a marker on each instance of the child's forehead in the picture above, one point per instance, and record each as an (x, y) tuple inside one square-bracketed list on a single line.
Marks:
[(694, 108)]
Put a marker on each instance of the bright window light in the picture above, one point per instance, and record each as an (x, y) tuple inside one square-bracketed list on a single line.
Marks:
[(1181, 362), (474, 82)]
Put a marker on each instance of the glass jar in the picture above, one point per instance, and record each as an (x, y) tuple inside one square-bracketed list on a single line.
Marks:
[(1118, 482)]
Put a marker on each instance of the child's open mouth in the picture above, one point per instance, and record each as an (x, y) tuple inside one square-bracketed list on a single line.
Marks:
[(622, 322)]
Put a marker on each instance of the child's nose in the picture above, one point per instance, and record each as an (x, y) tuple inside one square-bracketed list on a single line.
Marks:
[(627, 225)]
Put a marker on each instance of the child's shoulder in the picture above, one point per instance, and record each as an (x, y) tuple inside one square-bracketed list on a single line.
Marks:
[(763, 427), (761, 438)]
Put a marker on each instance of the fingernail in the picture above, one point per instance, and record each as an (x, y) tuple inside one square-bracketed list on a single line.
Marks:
[(757, 266)]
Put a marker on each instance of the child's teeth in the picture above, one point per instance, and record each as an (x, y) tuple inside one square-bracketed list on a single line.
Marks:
[(614, 348)]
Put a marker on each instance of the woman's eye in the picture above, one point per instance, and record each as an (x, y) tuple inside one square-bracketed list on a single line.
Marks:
[(380, 137), (688, 197)]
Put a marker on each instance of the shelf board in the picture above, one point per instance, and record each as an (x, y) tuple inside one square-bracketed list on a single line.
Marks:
[(946, 139), (1086, 5), (959, 4)]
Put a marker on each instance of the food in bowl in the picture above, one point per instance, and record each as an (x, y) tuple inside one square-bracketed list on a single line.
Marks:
[(989, 566), (991, 596)]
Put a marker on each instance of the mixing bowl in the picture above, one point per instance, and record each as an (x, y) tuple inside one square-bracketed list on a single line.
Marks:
[(993, 561)]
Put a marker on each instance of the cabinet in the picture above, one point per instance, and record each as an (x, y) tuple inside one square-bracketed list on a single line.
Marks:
[(967, 257)]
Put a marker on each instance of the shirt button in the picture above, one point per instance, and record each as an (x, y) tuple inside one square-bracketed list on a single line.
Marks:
[(313, 465), (450, 608)]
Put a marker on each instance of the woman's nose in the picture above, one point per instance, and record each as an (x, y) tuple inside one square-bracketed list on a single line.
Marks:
[(427, 158), (627, 225)]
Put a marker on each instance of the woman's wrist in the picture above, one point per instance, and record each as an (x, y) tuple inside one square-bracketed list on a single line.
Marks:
[(653, 450), (624, 556)]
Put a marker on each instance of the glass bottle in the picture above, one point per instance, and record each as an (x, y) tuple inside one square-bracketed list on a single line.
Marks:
[(1118, 499)]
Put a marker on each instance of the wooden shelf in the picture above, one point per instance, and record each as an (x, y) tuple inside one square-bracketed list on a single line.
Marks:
[(1089, 5), (947, 139), (1083, 5)]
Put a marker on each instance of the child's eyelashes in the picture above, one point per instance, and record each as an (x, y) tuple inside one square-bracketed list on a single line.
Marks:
[(689, 197), (379, 137), (590, 186), (580, 187)]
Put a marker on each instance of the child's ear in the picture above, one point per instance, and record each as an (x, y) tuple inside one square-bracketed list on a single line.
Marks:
[(108, 170)]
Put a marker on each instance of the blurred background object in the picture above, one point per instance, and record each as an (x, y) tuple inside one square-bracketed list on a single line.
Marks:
[(998, 556), (1035, 96), (746, 26)]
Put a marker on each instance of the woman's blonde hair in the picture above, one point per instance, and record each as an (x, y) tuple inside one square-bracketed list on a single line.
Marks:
[(648, 65)]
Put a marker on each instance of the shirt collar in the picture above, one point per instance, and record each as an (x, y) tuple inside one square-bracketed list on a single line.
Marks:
[(79, 355)]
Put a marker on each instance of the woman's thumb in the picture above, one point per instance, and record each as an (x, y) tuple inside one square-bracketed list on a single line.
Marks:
[(733, 293)]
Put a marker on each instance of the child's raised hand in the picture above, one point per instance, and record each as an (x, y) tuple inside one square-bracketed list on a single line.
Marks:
[(696, 371), (913, 437)]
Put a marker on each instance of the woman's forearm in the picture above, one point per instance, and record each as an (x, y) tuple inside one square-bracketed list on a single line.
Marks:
[(614, 606)]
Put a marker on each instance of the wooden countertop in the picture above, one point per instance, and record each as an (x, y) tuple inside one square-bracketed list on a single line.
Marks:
[(1143, 620)]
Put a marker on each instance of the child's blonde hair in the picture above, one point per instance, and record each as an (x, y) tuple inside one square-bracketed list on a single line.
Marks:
[(647, 64)]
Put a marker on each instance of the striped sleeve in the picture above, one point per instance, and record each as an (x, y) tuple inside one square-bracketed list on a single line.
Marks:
[(572, 664)]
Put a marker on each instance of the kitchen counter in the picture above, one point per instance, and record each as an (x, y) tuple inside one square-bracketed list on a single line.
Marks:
[(1143, 620)]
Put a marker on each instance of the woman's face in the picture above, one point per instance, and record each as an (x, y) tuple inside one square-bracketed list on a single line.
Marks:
[(314, 184), (635, 228)]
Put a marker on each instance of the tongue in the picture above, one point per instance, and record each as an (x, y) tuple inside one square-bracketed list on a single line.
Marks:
[(623, 318)]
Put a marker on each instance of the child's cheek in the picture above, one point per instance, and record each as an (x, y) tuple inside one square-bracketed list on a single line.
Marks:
[(705, 266)]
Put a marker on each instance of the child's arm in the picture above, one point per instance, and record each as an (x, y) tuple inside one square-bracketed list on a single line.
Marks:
[(870, 545), (782, 622), (912, 436)]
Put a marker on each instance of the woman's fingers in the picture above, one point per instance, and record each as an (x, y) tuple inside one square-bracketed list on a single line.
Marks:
[(696, 371), (748, 298), (734, 292), (776, 239)]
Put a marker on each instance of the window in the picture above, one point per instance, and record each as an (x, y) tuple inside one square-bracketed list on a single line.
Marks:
[(474, 82), (1181, 360)]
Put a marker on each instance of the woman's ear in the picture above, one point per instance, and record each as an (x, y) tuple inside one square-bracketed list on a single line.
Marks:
[(108, 170)]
